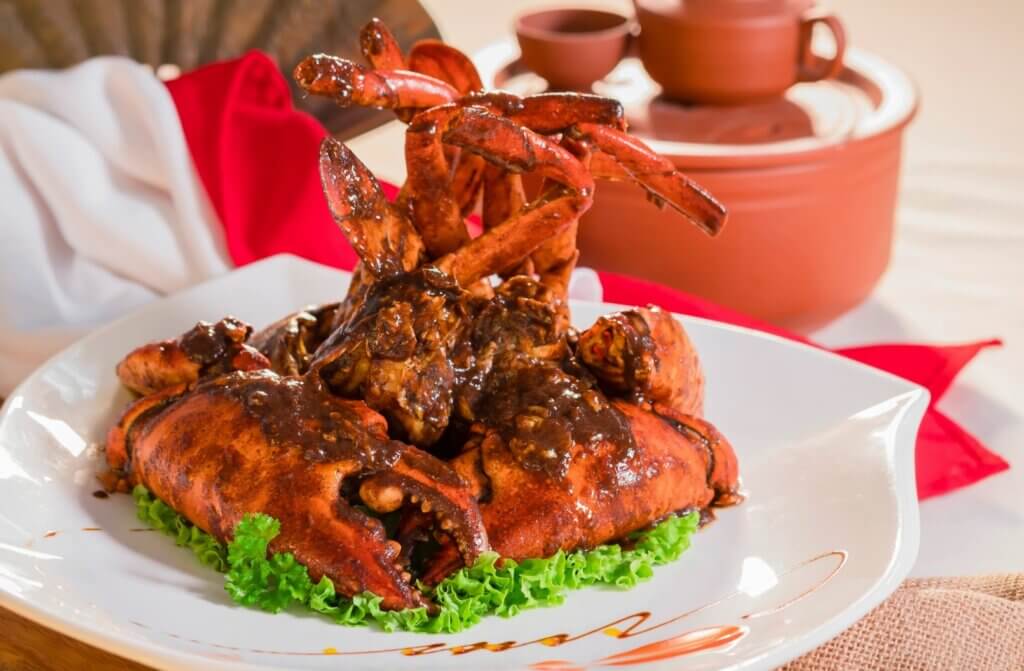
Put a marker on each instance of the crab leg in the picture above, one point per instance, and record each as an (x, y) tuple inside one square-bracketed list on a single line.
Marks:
[(404, 91), (556, 278), (559, 250), (555, 260), (549, 113), (503, 195), (433, 208), (380, 234), (617, 155), (467, 179), (382, 52), (509, 243), (349, 83), (517, 150), (545, 113), (445, 63)]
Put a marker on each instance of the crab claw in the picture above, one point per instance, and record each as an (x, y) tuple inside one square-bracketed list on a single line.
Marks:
[(258, 442), (436, 491), (444, 562), (204, 349), (377, 230)]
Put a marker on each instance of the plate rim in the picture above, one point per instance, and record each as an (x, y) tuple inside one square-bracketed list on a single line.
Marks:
[(907, 510)]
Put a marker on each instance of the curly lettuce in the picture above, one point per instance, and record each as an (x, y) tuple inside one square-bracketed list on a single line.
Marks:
[(275, 581), (160, 516)]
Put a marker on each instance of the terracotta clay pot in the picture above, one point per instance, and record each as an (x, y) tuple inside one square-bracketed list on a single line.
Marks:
[(726, 52), (573, 48), (804, 243)]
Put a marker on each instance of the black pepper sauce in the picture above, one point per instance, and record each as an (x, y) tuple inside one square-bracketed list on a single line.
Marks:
[(308, 428), (395, 352), (528, 388), (517, 319), (212, 345), (547, 417), (297, 413), (423, 307)]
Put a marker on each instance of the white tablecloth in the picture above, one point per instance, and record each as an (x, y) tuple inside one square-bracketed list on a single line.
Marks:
[(958, 265)]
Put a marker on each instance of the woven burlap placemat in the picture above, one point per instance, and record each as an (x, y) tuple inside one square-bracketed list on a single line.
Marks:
[(945, 624)]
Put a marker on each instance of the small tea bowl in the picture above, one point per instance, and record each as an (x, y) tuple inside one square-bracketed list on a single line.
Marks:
[(573, 48)]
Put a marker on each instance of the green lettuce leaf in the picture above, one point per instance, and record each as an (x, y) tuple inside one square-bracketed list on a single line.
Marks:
[(275, 581), (162, 517)]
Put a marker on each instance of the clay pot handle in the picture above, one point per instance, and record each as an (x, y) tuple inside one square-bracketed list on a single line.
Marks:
[(812, 67)]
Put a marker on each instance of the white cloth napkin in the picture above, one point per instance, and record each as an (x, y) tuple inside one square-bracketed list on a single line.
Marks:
[(100, 208)]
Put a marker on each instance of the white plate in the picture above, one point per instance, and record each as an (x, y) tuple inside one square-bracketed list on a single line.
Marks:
[(829, 529)]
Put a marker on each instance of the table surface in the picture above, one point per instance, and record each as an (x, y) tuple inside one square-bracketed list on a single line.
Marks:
[(957, 272)]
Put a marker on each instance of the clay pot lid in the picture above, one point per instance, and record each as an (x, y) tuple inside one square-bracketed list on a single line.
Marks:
[(822, 112), (870, 97)]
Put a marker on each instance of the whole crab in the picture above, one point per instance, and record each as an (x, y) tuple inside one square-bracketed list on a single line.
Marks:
[(545, 439)]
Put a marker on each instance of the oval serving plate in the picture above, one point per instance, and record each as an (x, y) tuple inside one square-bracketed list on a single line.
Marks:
[(829, 528)]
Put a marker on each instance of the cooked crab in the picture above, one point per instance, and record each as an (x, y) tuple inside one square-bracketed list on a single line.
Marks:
[(554, 440)]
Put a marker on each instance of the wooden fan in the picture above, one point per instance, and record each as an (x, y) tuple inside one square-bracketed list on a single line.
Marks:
[(178, 35)]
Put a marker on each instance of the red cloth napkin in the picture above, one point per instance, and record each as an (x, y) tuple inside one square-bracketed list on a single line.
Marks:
[(257, 157)]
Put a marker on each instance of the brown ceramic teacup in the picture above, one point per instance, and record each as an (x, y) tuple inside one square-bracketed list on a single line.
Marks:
[(726, 52), (573, 48)]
